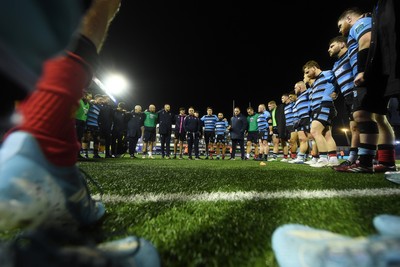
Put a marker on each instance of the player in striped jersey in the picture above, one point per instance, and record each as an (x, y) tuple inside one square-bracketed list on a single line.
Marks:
[(92, 132), (301, 109), (221, 129), (289, 118), (209, 121), (264, 124), (326, 248), (345, 79), (372, 95), (323, 111)]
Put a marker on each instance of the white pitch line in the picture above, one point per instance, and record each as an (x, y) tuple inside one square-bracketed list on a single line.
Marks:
[(250, 195)]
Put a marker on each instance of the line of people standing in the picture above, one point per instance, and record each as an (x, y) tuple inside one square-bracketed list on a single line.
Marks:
[(122, 131), (97, 120)]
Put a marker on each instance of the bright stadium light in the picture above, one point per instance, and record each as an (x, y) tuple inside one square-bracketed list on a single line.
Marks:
[(104, 88), (112, 85), (116, 84)]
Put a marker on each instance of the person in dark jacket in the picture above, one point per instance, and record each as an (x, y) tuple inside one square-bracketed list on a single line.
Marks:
[(134, 129), (237, 128), (278, 133), (192, 125), (106, 124), (118, 133), (180, 134), (165, 121)]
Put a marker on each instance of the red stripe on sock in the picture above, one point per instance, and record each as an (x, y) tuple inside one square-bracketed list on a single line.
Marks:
[(386, 157)]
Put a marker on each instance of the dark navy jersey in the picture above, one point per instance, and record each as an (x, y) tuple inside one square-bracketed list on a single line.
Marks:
[(135, 123), (120, 120), (192, 124), (179, 123), (165, 121)]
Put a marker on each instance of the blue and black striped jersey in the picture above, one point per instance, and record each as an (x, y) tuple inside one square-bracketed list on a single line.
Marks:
[(209, 122), (301, 107), (262, 121), (322, 88), (360, 27), (221, 127), (93, 115), (344, 75), (289, 115)]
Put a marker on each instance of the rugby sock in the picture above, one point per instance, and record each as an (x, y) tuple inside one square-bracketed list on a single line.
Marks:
[(366, 154), (332, 154), (353, 154), (49, 112), (386, 155)]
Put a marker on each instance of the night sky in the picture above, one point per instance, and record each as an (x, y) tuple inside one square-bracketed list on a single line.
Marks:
[(194, 53)]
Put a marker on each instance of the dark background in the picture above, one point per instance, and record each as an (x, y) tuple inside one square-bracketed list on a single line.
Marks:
[(219, 54)]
